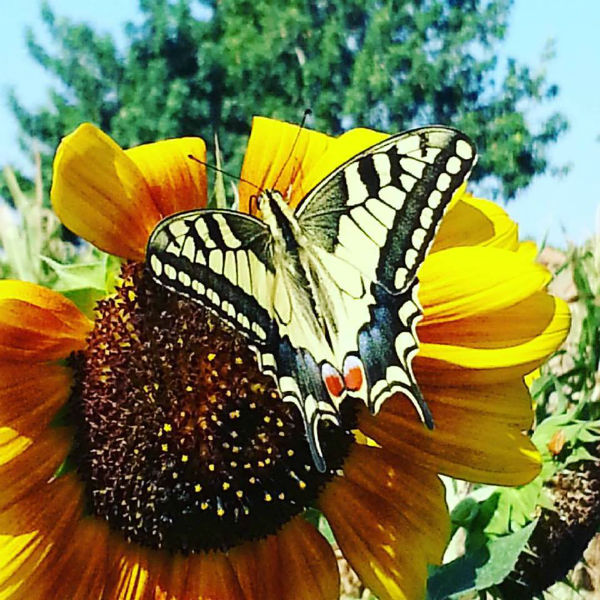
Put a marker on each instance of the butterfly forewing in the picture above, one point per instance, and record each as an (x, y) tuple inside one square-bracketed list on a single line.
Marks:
[(222, 259), (388, 202)]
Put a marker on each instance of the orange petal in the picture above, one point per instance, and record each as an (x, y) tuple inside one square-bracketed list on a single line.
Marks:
[(38, 324), (100, 194), (476, 436), (474, 221), (30, 395), (211, 576), (311, 571), (50, 513), (278, 156), (69, 569), (387, 537), (257, 567), (176, 182), (39, 461)]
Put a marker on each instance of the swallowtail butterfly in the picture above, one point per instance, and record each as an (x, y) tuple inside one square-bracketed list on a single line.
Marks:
[(327, 293)]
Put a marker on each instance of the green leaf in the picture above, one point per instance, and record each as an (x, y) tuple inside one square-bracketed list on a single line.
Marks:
[(479, 569)]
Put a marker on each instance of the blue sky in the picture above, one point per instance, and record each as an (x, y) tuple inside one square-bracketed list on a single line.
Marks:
[(562, 209)]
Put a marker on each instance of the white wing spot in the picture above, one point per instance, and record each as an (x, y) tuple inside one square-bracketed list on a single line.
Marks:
[(393, 196), (435, 198), (198, 286), (156, 264), (430, 155), (228, 236), (185, 278), (189, 249), (406, 312), (418, 237), (382, 166), (404, 341), (370, 225), (464, 150), (178, 227), (170, 272), (243, 271), (215, 261), (213, 296), (400, 278), (230, 270), (413, 166), (408, 144), (357, 191), (243, 320), (204, 234), (200, 258), (259, 331), (410, 258), (453, 165), (443, 182), (382, 212), (407, 182), (426, 217)]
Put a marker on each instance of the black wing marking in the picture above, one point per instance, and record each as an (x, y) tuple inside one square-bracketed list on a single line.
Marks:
[(223, 260)]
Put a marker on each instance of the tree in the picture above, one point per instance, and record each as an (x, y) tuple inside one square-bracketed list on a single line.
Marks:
[(198, 67)]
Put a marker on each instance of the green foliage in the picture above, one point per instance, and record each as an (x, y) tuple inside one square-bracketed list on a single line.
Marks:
[(32, 248), (199, 68), (480, 568)]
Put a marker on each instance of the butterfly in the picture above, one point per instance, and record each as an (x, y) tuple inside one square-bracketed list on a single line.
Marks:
[(326, 293)]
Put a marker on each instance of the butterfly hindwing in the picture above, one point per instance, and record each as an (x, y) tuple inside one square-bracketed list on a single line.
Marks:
[(223, 260)]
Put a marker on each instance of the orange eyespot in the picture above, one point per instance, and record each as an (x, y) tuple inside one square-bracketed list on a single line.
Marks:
[(333, 380), (353, 373)]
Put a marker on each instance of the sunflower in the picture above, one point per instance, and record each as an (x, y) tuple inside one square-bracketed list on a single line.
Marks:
[(144, 454)]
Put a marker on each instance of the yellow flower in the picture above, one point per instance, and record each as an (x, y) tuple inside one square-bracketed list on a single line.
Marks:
[(191, 476)]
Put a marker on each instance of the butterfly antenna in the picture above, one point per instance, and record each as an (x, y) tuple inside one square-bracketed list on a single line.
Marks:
[(306, 114), (218, 170)]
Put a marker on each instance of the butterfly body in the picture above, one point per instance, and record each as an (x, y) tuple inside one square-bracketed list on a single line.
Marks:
[(326, 293)]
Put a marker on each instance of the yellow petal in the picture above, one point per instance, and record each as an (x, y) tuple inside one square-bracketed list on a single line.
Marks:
[(387, 536), (474, 221), (528, 250), (176, 182), (38, 324), (277, 157), (476, 435), (524, 345), (283, 157), (100, 194), (459, 282)]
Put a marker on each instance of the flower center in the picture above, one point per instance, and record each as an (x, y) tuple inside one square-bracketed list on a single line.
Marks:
[(181, 441)]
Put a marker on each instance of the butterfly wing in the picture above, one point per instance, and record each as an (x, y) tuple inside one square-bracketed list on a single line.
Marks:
[(222, 259), (379, 212)]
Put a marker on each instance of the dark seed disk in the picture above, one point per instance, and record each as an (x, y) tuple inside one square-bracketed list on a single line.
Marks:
[(181, 441)]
